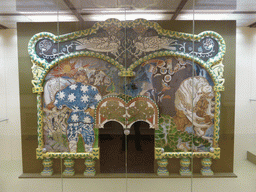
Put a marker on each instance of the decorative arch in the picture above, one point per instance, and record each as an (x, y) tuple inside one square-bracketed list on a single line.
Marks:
[(110, 109), (142, 109), (126, 113)]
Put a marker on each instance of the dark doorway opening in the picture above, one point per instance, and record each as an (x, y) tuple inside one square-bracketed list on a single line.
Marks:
[(140, 148), (139, 145), (112, 157)]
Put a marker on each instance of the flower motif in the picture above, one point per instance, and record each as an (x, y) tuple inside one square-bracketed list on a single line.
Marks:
[(74, 117), (84, 88), (71, 97), (87, 120), (73, 87), (97, 97), (85, 98), (61, 95)]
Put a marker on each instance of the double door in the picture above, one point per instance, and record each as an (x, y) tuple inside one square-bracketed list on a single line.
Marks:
[(132, 153)]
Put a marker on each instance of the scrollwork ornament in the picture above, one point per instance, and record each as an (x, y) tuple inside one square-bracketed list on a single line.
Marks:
[(37, 76)]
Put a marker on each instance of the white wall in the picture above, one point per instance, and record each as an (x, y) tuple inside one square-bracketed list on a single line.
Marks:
[(245, 135), (10, 141)]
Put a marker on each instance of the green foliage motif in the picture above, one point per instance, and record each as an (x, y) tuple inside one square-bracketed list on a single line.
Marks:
[(168, 137), (140, 111), (113, 110)]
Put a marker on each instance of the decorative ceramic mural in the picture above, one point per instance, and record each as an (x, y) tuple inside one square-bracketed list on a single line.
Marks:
[(127, 72)]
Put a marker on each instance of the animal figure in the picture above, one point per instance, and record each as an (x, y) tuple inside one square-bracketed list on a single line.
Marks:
[(55, 127), (166, 77), (109, 44), (218, 70), (45, 45), (52, 86), (81, 98), (154, 43), (143, 78), (194, 105), (99, 79), (37, 74)]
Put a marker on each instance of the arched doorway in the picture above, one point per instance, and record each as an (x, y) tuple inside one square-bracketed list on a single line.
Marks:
[(140, 148), (139, 145), (138, 118), (112, 155)]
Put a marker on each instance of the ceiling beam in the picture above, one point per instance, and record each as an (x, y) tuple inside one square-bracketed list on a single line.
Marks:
[(74, 11), (179, 8), (3, 27), (253, 25)]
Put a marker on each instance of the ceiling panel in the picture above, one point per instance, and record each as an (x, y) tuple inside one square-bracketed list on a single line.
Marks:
[(246, 5), (215, 4), (92, 4), (40, 5), (12, 11), (7, 6), (129, 4)]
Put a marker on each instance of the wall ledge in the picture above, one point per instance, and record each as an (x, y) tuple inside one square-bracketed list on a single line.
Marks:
[(123, 176), (251, 157)]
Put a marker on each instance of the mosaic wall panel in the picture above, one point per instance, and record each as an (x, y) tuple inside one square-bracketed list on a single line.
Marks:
[(126, 72)]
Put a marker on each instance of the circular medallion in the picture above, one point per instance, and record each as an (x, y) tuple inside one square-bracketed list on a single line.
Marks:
[(171, 72), (167, 78), (155, 70), (163, 71)]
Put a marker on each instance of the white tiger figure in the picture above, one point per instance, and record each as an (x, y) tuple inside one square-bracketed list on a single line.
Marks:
[(194, 99)]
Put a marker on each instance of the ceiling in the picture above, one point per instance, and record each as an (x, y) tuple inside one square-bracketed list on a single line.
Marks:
[(13, 11)]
